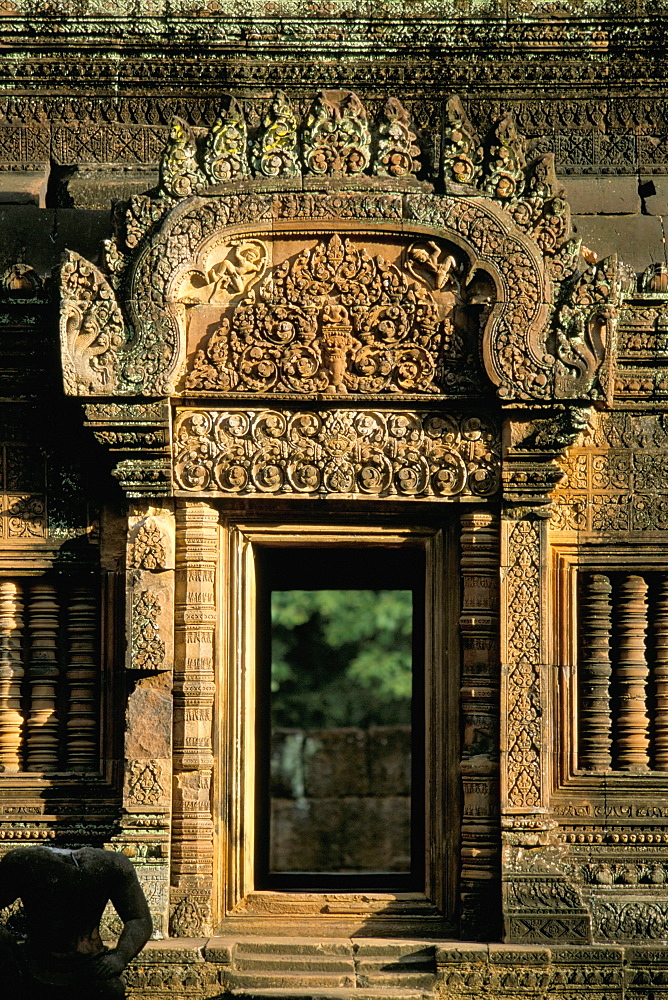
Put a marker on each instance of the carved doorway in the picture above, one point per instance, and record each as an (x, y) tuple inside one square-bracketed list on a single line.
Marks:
[(404, 877)]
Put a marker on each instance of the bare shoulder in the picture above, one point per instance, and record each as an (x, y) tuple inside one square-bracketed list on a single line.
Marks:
[(110, 861)]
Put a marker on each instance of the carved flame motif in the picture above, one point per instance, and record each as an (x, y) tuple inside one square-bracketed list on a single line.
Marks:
[(335, 319)]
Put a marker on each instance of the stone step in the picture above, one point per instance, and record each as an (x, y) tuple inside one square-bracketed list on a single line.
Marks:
[(293, 946), (293, 980), (262, 962), (329, 994)]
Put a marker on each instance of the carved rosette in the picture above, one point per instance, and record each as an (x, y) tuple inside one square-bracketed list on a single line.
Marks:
[(346, 453)]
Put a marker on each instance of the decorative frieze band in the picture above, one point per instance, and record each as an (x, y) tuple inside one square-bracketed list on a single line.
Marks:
[(337, 453)]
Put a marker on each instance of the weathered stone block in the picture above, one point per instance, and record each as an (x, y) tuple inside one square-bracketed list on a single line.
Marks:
[(335, 763), (389, 753), (96, 187), (24, 187), (149, 718), (591, 195), (637, 238)]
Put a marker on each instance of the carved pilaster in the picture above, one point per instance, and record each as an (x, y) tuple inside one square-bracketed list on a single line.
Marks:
[(661, 677), (632, 743), (11, 675), (42, 737), (479, 703), (594, 673), (521, 708), (81, 675), (195, 619)]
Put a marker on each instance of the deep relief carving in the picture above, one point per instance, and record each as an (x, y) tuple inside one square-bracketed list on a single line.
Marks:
[(225, 155), (92, 329), (335, 319), (275, 152), (336, 453), (145, 783), (398, 154), (336, 140), (523, 658), (148, 548), (508, 237), (615, 475), (148, 647)]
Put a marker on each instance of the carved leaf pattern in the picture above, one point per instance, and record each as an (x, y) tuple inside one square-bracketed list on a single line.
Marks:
[(523, 653), (341, 452), (148, 648), (332, 319)]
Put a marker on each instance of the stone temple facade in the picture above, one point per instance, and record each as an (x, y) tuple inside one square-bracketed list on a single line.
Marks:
[(343, 281)]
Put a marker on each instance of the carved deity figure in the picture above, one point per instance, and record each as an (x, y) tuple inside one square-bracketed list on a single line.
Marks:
[(64, 893), (229, 277)]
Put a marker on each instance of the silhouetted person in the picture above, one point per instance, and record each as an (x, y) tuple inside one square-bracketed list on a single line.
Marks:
[(64, 893)]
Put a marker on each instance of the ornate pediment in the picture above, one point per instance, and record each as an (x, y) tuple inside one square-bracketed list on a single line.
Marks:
[(314, 259)]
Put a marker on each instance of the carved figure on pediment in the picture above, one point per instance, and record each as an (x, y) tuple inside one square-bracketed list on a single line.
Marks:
[(336, 319), (585, 324), (505, 162), (336, 138), (92, 329), (243, 264), (462, 150)]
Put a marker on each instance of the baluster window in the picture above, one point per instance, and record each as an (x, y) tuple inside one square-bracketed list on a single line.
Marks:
[(623, 671)]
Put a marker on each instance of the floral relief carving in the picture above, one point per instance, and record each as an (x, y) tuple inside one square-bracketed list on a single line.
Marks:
[(145, 782), (148, 648), (523, 656), (333, 319), (336, 138), (336, 453), (148, 548)]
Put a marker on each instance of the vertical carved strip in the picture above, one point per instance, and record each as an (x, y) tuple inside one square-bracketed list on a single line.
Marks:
[(11, 675), (661, 677), (42, 740), (521, 696), (632, 736), (480, 711), (595, 671), (82, 749), (194, 688)]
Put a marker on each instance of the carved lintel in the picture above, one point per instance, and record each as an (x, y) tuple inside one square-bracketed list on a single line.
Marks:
[(368, 454)]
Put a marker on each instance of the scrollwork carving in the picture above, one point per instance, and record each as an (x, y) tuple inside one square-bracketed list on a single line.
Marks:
[(92, 328), (336, 140), (148, 648), (148, 549), (225, 157), (366, 454), (275, 152), (397, 153), (180, 175), (336, 319)]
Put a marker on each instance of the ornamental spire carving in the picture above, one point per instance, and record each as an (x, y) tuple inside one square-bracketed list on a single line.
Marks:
[(225, 156), (397, 154), (180, 175), (336, 140), (275, 152)]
